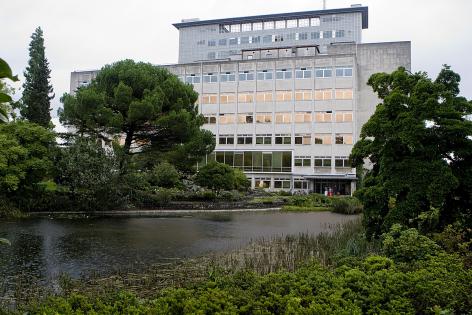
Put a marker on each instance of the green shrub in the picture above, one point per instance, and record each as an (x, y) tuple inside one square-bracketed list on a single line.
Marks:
[(165, 175), (241, 182), (216, 176), (346, 205), (232, 195)]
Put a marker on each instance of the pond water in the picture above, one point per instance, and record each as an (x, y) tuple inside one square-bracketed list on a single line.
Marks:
[(43, 248)]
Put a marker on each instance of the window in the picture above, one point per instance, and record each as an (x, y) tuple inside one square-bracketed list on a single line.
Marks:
[(344, 94), (223, 54), (315, 35), (264, 118), (303, 22), (245, 97), (302, 161), (209, 99), (211, 55), (201, 42), (303, 36), (246, 76), (323, 138), (210, 78), (303, 95), (343, 71), (267, 39), (283, 74), (193, 78), (282, 183), (226, 139), (283, 96), (225, 28), (302, 117), (227, 77), (291, 36), (269, 25), (227, 98), (303, 73), (257, 26), (300, 184), (262, 97), (327, 34), (233, 41), (323, 116), (245, 119), (235, 28), (256, 39), (280, 24), (244, 40), (283, 118), (323, 72), (264, 75), (283, 139), (211, 43), (246, 27), (324, 94), (263, 182), (315, 21), (340, 33), (226, 119), (292, 23), (222, 42), (264, 139), (209, 119), (343, 138), (343, 116), (304, 139), (342, 162), (322, 161), (244, 139), (278, 38)]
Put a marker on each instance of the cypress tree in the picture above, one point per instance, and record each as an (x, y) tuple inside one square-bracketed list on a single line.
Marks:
[(37, 91)]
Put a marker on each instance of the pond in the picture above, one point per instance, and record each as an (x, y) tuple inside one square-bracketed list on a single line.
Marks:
[(43, 248)]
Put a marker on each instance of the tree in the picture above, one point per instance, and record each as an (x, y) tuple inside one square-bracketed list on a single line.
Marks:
[(146, 105), (241, 182), (420, 147), (5, 91), (165, 175), (216, 176), (37, 91), (24, 158)]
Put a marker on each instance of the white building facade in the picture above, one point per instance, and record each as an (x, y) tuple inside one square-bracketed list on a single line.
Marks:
[(285, 95)]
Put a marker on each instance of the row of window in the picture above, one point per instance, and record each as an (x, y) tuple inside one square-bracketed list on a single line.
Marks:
[(253, 161), (269, 25), (322, 161), (280, 183), (273, 38), (280, 96), (299, 139), (281, 118), (280, 74)]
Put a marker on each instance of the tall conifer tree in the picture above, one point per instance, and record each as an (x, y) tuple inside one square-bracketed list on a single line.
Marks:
[(37, 91)]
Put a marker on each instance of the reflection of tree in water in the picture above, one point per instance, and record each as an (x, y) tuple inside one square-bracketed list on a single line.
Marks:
[(219, 217)]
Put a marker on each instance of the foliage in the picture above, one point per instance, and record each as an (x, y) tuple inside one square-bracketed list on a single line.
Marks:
[(24, 159), (89, 175), (420, 146), (241, 182), (345, 205), (216, 176), (151, 108), (35, 103), (165, 175), (5, 73)]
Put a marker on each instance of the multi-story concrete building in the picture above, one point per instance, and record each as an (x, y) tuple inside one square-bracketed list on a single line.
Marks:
[(285, 94)]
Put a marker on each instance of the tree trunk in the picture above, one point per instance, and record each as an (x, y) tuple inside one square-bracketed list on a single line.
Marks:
[(126, 150)]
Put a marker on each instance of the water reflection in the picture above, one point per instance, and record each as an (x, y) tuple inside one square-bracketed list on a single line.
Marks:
[(44, 248)]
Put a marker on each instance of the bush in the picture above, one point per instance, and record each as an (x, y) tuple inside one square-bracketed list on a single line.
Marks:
[(216, 176), (165, 175), (241, 182), (232, 195), (345, 205)]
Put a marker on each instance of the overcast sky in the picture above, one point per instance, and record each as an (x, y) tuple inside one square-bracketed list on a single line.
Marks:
[(87, 34)]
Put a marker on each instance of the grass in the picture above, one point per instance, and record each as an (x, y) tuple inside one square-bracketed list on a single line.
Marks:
[(291, 208)]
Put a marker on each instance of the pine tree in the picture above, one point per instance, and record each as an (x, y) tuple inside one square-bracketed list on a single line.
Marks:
[(37, 91)]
